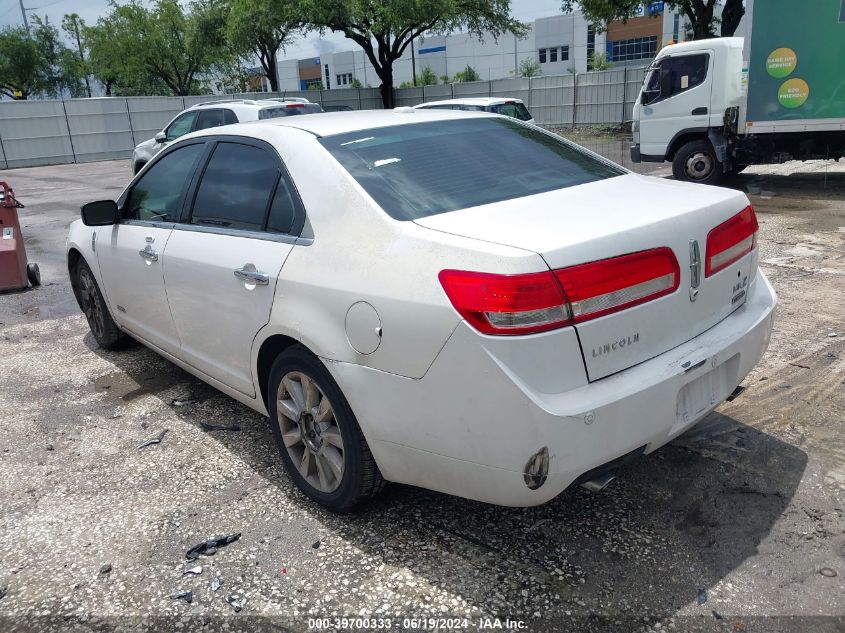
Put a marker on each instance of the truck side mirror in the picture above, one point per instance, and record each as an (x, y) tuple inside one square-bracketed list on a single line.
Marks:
[(161, 137), (100, 213)]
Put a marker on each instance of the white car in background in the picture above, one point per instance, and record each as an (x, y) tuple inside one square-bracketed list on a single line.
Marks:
[(216, 113), (460, 302), (506, 106)]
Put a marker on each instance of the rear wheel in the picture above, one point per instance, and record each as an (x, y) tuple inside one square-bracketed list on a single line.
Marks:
[(696, 162), (317, 434), (103, 327)]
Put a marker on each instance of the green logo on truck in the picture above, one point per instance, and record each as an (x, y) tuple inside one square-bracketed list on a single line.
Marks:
[(781, 62)]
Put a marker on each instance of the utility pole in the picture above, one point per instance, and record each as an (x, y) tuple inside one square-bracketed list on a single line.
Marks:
[(23, 13)]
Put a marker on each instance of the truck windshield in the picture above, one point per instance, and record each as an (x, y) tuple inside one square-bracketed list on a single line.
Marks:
[(421, 169)]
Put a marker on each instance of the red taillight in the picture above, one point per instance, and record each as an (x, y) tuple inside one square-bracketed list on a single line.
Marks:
[(295, 105), (537, 302), (730, 241), (506, 304), (614, 284)]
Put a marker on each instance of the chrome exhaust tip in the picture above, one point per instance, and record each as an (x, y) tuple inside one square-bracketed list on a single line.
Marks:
[(599, 483)]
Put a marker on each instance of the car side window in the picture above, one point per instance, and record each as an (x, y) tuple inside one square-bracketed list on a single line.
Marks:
[(156, 195), (229, 116), (209, 118), (283, 208), (236, 187), (181, 125)]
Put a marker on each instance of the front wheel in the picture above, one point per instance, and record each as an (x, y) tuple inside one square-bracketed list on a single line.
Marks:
[(91, 300), (317, 434), (696, 162)]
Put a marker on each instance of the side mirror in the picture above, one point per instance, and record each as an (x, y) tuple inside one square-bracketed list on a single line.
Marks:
[(100, 213), (161, 137)]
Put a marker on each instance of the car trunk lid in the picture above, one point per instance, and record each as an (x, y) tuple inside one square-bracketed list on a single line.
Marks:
[(614, 217)]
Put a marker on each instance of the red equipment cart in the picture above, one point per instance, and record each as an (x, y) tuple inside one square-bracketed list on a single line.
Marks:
[(15, 272)]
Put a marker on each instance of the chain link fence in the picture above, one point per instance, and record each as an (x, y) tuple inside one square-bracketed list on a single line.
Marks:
[(53, 132)]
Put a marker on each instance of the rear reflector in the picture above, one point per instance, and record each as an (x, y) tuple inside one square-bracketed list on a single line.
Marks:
[(614, 284), (537, 302), (731, 241)]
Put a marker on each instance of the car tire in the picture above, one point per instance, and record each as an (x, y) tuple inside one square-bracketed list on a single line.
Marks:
[(696, 162), (318, 437), (103, 327)]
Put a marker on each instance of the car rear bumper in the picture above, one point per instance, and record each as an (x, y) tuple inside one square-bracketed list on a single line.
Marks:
[(481, 423)]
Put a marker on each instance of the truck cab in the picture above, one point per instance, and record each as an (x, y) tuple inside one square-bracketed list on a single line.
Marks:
[(681, 108)]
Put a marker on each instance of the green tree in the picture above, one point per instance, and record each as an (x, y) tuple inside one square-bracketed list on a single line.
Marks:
[(74, 28), (466, 75), (599, 61), (262, 28), (427, 77), (385, 28), (356, 83), (700, 13), (23, 71), (139, 50), (36, 63), (530, 67)]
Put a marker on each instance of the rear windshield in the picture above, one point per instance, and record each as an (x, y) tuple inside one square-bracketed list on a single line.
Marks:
[(421, 169), (513, 109), (289, 110)]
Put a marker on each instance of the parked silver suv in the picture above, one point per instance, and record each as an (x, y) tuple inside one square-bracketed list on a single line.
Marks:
[(214, 113)]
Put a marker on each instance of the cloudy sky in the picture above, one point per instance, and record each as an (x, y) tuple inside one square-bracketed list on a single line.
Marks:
[(310, 46)]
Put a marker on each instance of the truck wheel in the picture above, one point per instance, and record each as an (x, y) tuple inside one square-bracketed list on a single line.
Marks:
[(103, 327), (696, 162), (317, 434)]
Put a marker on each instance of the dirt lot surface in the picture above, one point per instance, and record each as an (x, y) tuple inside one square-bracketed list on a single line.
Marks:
[(736, 526)]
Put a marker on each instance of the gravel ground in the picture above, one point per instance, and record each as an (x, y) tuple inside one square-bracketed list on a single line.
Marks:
[(736, 526)]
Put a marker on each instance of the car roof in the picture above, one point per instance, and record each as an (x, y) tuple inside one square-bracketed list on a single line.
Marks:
[(483, 101), (331, 123), (238, 104)]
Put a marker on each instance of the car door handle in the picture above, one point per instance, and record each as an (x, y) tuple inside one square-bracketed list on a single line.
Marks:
[(250, 275), (701, 110), (148, 253)]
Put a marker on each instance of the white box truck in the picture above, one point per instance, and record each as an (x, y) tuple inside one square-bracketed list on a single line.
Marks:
[(712, 107)]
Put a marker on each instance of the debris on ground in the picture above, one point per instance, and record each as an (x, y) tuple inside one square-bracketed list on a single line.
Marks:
[(3, 592), (193, 571), (702, 596), (216, 583), (827, 572), (154, 440), (235, 601), (183, 402), (209, 548), (716, 614), (207, 426), (534, 527), (49, 447), (316, 545), (105, 568), (187, 595)]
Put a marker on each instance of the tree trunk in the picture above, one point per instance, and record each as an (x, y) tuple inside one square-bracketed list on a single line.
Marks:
[(273, 74), (731, 15), (386, 75)]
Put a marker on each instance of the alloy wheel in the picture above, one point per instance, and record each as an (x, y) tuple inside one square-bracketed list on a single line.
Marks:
[(310, 432), (91, 305)]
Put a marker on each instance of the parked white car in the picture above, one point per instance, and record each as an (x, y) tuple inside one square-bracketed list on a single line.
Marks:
[(460, 302), (506, 106), (216, 113)]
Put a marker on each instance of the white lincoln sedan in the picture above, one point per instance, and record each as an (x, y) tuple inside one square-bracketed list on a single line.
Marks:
[(457, 301)]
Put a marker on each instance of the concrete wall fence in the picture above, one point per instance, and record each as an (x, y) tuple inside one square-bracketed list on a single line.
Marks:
[(83, 130)]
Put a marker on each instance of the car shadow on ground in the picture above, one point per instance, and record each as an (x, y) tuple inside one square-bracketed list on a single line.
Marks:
[(658, 539)]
